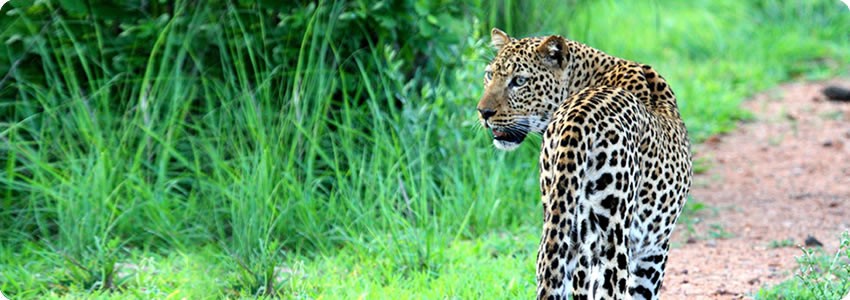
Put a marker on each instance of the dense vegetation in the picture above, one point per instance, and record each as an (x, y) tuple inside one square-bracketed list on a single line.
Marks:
[(306, 149)]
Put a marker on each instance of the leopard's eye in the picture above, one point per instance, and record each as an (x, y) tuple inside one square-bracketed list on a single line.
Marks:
[(518, 81), (488, 75)]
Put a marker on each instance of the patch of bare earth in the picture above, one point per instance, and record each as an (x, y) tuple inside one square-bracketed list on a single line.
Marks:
[(772, 183)]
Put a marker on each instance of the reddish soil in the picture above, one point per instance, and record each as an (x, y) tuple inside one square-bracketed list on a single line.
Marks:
[(783, 176)]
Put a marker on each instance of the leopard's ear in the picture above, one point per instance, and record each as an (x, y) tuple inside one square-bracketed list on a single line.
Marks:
[(498, 38), (553, 51)]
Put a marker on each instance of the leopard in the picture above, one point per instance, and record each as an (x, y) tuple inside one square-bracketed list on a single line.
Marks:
[(615, 163)]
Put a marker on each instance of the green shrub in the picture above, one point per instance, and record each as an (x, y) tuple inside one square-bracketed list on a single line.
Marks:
[(820, 275)]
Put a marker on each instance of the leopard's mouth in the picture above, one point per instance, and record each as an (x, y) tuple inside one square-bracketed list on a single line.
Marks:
[(508, 138)]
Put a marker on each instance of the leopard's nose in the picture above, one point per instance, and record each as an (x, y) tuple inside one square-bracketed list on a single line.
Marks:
[(486, 113)]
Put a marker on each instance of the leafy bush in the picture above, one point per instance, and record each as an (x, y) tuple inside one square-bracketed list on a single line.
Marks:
[(820, 275), (156, 124)]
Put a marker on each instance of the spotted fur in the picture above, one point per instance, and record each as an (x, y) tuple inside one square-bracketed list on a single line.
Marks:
[(615, 165)]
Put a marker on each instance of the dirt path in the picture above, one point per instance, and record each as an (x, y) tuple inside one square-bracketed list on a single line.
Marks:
[(783, 176)]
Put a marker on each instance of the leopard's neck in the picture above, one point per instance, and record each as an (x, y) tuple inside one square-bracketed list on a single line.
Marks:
[(590, 67), (587, 66)]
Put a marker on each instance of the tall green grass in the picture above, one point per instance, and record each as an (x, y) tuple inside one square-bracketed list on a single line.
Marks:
[(336, 175)]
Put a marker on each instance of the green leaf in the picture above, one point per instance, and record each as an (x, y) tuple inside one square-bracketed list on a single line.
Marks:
[(73, 7), (347, 16), (388, 23), (432, 19)]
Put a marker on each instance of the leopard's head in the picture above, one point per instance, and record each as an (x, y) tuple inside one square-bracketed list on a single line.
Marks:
[(523, 85)]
